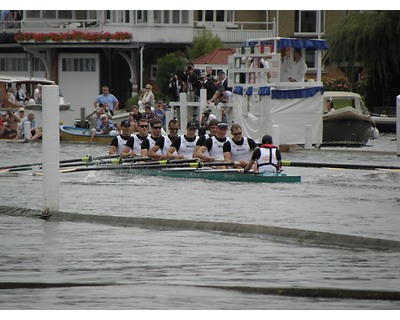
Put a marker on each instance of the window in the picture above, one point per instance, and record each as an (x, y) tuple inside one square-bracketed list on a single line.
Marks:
[(166, 16), (142, 16), (79, 65), (153, 70), (157, 16), (185, 16), (215, 15), (118, 16), (175, 16), (307, 22), (13, 64), (38, 65), (49, 14), (220, 15), (33, 14)]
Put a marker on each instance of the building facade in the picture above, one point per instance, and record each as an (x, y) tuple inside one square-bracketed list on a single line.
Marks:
[(82, 67)]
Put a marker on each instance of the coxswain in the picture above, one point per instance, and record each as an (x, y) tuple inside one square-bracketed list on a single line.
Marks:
[(267, 157)]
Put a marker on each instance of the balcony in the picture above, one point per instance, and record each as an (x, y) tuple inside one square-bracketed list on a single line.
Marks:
[(229, 33), (237, 32)]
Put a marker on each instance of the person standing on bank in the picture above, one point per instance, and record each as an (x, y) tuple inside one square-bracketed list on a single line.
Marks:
[(107, 97), (267, 157)]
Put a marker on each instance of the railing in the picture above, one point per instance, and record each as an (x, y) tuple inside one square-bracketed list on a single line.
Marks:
[(239, 31), (50, 25)]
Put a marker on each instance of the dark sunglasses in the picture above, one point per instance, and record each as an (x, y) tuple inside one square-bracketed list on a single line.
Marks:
[(174, 129), (157, 128), (143, 126), (237, 134)]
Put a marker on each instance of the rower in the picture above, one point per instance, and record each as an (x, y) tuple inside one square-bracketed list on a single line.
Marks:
[(214, 145), (134, 143), (239, 148), (267, 157), (183, 146), (164, 142)]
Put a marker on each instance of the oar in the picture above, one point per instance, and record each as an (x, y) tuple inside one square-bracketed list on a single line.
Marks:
[(86, 158), (338, 165), (85, 161), (168, 161), (150, 166)]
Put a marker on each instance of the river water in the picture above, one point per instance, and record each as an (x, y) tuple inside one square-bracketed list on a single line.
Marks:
[(99, 264)]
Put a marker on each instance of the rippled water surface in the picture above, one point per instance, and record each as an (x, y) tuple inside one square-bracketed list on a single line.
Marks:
[(93, 265)]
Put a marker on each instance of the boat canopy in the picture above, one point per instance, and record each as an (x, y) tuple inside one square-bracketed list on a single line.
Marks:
[(295, 43), (315, 44)]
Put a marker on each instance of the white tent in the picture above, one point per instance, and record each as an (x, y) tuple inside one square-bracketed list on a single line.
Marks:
[(294, 111)]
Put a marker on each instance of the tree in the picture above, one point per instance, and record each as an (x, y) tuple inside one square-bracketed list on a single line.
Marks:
[(171, 64), (203, 44), (373, 39)]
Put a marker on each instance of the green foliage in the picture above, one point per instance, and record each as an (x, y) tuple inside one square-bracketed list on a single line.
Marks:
[(172, 63), (371, 38), (203, 44)]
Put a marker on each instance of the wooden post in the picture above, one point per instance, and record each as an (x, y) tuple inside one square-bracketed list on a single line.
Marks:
[(83, 120)]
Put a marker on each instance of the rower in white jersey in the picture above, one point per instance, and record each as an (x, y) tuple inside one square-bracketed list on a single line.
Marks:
[(119, 141), (183, 146), (239, 148), (164, 142), (155, 134), (133, 145), (214, 145)]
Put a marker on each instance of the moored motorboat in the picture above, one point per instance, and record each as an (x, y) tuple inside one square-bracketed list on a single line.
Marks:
[(28, 86), (384, 123), (231, 175), (74, 134), (350, 124)]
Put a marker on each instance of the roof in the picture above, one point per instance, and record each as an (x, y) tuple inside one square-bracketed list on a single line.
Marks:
[(217, 56), (14, 79), (341, 94)]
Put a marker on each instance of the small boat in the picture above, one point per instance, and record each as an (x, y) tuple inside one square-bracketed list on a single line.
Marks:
[(230, 175), (28, 84), (76, 134), (350, 124), (384, 123)]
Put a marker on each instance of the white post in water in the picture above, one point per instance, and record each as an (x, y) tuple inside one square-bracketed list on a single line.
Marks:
[(308, 137), (398, 124), (27, 130), (275, 135), (51, 147), (183, 111)]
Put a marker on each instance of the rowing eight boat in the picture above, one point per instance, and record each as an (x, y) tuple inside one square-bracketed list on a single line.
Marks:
[(217, 174)]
